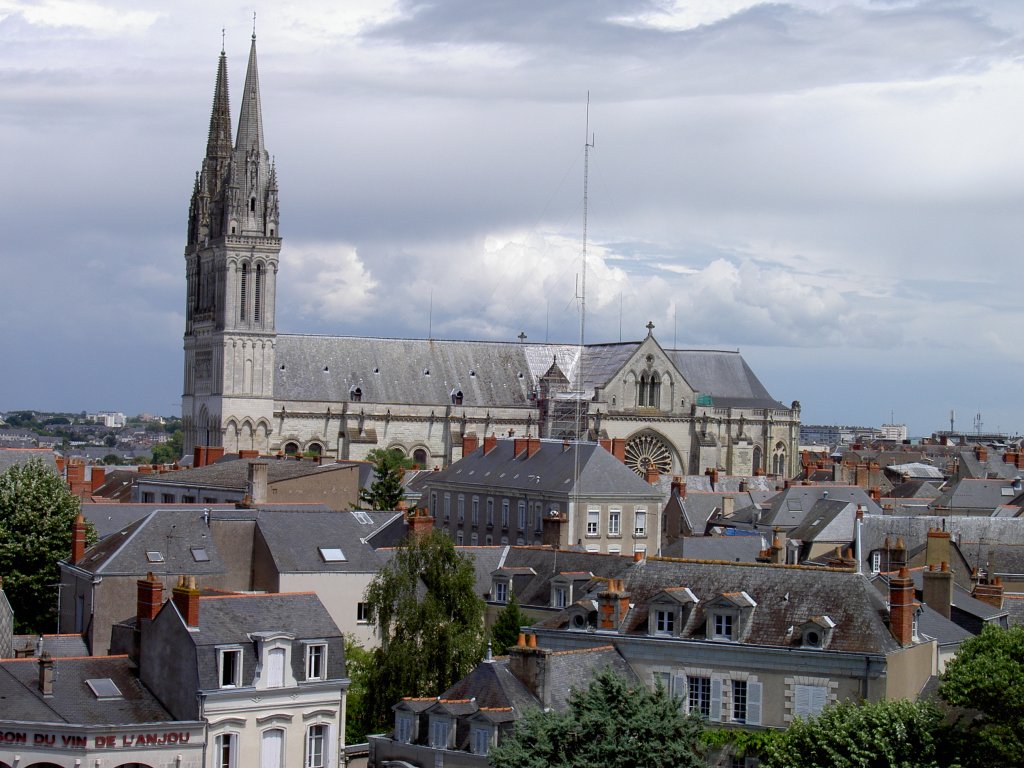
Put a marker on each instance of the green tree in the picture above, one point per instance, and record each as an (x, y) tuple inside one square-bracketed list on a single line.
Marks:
[(386, 491), (112, 459), (505, 631), (37, 511), (612, 724), (169, 452), (430, 619), (358, 661), (883, 734), (986, 678)]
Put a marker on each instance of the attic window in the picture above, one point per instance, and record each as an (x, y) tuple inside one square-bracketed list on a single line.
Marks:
[(282, 366), (200, 555), (332, 554), (154, 557), (520, 374), (355, 394), (426, 371), (104, 689), (326, 369), (362, 517), (456, 397), (472, 372), (376, 370)]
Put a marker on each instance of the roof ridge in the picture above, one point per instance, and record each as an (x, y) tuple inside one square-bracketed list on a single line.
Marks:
[(253, 594), (584, 650)]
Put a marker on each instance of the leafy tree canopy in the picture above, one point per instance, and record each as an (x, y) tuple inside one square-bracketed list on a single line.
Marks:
[(357, 666), (883, 734), (611, 724), (987, 676), (505, 632), (169, 452), (37, 511), (386, 491), (424, 605)]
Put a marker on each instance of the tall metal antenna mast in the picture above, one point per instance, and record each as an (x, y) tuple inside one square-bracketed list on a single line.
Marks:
[(588, 143)]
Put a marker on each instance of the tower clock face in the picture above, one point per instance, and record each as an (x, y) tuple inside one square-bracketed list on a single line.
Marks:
[(645, 451)]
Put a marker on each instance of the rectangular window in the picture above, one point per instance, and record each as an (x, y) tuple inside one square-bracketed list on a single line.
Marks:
[(188, 499), (640, 529), (316, 662), (433, 505), (490, 511), (480, 741), (723, 626), (522, 515), (664, 679), (225, 751), (561, 597), (147, 497), (614, 515), (700, 696), (809, 700), (362, 613), (476, 510), (275, 668), (447, 507), (461, 508), (538, 523), (739, 701), (593, 520), (876, 562), (504, 513), (316, 740), (501, 591), (166, 498), (230, 668), (459, 538), (403, 727), (474, 539), (439, 734), (664, 622)]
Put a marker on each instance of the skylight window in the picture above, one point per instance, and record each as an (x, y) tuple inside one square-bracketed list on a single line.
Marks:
[(332, 554), (362, 517), (154, 557), (104, 689), (200, 555)]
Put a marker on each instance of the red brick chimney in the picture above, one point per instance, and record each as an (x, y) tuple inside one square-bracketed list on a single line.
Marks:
[(532, 446), (612, 605), (1010, 457), (469, 444), (420, 522), (678, 486), (186, 599), (489, 443), (902, 607), (199, 456), (651, 474), (150, 591), (99, 474), (989, 591), (981, 453), (78, 530), (875, 494), (519, 445), (248, 454)]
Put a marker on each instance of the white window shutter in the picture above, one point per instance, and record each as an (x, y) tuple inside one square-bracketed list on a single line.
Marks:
[(716, 699), (819, 697), (753, 703), (801, 700), (679, 690)]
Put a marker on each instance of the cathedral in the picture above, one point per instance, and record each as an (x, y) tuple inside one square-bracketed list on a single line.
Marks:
[(248, 387)]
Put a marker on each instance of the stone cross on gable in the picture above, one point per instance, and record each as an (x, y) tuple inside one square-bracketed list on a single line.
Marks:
[(650, 327)]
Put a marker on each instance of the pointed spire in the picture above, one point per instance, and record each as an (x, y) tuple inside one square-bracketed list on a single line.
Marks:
[(250, 121), (218, 144)]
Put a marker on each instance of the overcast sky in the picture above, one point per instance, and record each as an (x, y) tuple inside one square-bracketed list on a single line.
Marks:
[(834, 187)]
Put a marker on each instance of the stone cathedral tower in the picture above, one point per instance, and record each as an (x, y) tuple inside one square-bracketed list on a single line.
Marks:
[(231, 263)]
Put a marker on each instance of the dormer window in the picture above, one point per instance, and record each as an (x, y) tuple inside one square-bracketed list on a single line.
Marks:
[(727, 615), (817, 633), (560, 595), (725, 624), (664, 621), (499, 590), (456, 397), (355, 394), (668, 611)]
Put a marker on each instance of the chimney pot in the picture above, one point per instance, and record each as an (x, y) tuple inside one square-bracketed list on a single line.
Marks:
[(531, 641)]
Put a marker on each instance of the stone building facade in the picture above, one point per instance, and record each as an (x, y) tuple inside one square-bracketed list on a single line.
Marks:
[(246, 387)]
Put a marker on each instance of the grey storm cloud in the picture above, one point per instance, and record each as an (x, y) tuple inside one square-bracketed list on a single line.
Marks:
[(832, 186)]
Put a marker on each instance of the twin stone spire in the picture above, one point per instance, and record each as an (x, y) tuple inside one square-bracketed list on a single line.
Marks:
[(235, 192)]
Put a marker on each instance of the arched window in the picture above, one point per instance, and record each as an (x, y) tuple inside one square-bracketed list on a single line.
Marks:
[(641, 391), (419, 458), (290, 449), (654, 396), (225, 753), (756, 461), (272, 748), (257, 313), (779, 460), (244, 292), (315, 449), (316, 746)]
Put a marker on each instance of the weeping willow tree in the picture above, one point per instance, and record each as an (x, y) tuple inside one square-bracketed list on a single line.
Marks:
[(430, 621)]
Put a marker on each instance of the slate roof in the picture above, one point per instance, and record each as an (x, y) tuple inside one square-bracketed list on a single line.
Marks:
[(786, 596), (743, 549), (915, 489), (826, 521), (492, 685), (111, 518), (173, 533), (295, 538), (117, 484), (947, 633), (58, 646), (10, 457), (72, 700), (234, 619), (548, 563), (573, 670), (549, 471), (314, 368), (917, 470), (972, 467), (232, 473), (790, 507), (984, 495)]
